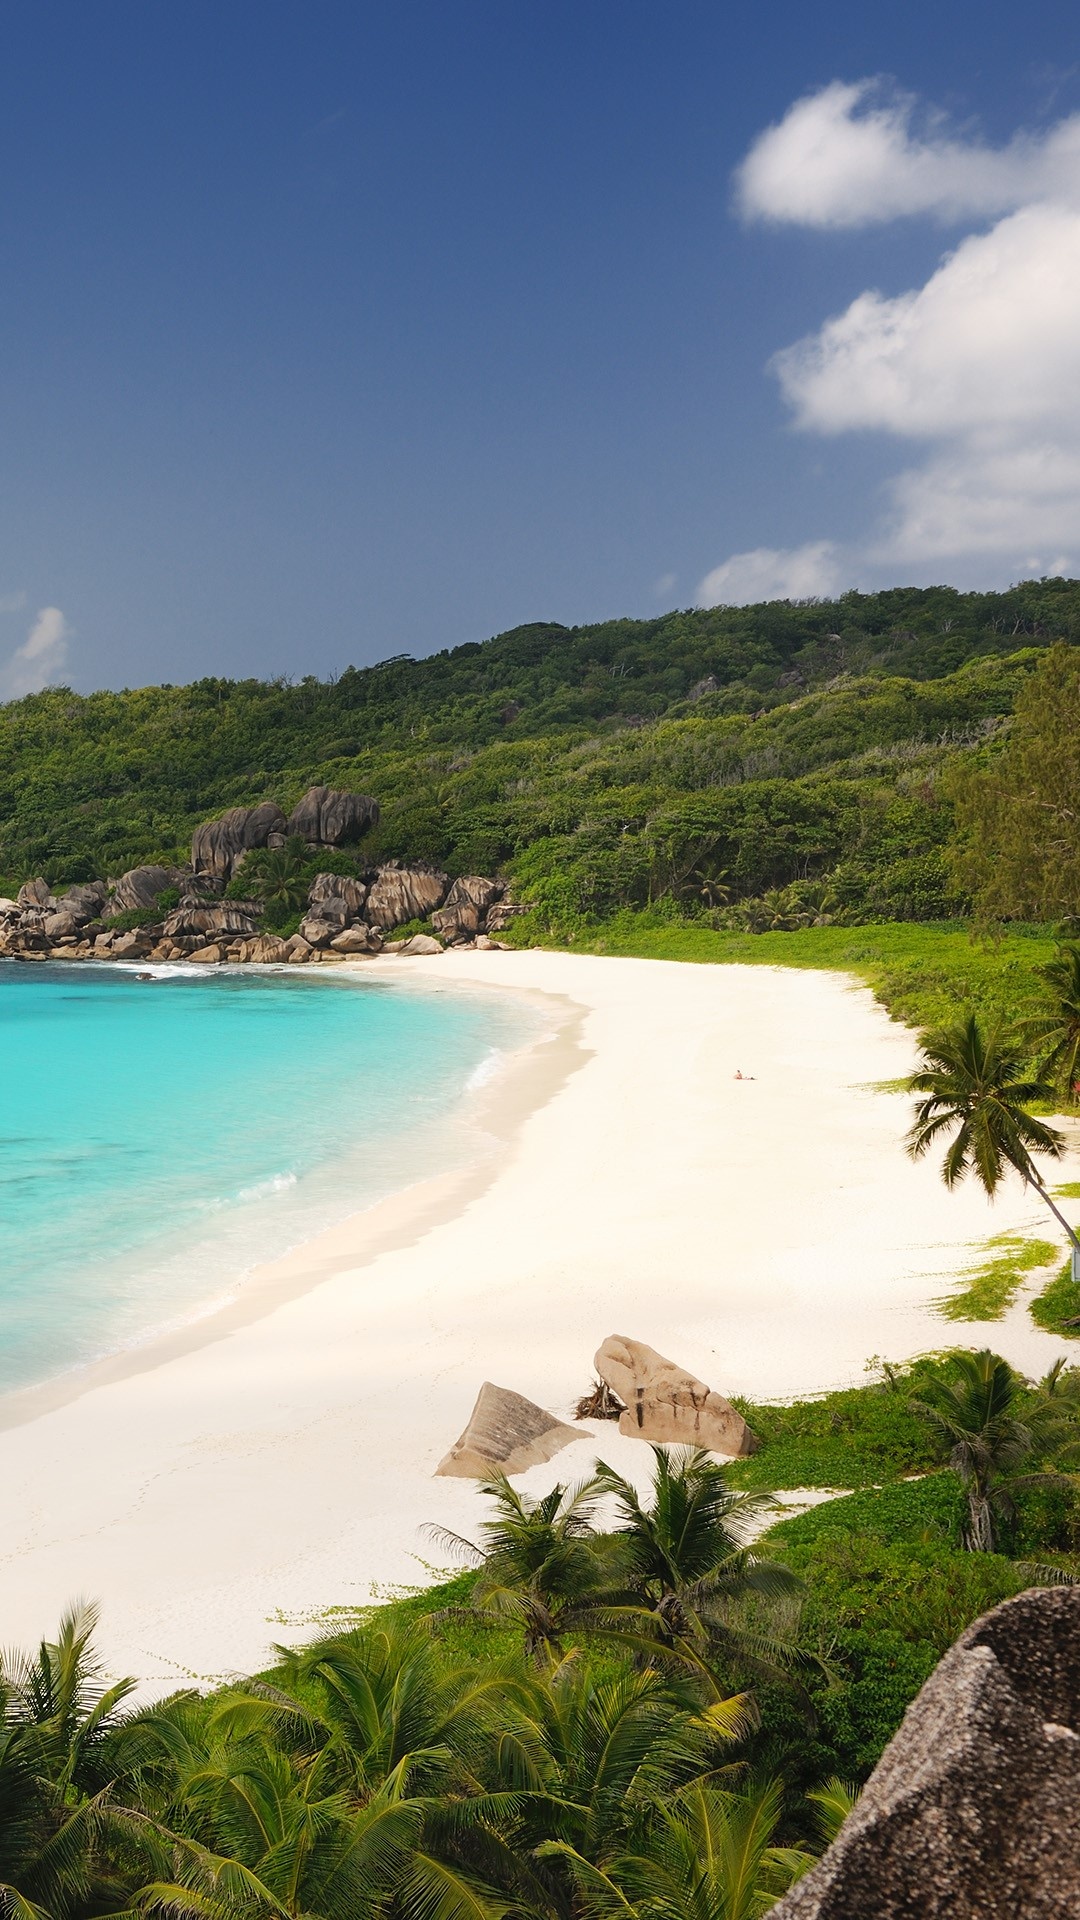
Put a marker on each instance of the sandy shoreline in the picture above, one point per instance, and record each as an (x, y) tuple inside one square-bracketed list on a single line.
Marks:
[(219, 1490)]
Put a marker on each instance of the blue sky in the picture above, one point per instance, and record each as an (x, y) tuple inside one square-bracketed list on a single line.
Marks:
[(340, 330)]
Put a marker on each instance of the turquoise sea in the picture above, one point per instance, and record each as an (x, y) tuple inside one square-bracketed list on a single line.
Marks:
[(159, 1136)]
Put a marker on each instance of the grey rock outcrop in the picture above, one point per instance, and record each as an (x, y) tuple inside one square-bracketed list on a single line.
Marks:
[(398, 894), (35, 893), (500, 914), (358, 939), (84, 902), (138, 889), (59, 927), (326, 817), (218, 845), (338, 886), (421, 943), (464, 911), (211, 919), (505, 1434), (665, 1403), (973, 1810)]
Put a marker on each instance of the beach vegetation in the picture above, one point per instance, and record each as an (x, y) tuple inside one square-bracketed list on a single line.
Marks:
[(1055, 1034), (987, 1291), (974, 1085)]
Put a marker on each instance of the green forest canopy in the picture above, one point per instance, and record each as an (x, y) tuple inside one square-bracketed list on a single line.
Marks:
[(601, 766)]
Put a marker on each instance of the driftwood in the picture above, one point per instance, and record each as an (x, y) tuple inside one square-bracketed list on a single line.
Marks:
[(600, 1403)]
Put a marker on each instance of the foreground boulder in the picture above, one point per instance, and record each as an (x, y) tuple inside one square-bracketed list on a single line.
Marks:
[(973, 1810), (339, 887), (210, 919), (664, 1402), (35, 893), (326, 817), (506, 1434)]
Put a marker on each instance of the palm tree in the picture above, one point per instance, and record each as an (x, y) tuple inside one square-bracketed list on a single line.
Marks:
[(541, 1563), (57, 1715), (1058, 1030), (687, 1553), (320, 1796), (281, 876), (973, 1085), (710, 1855), (989, 1434)]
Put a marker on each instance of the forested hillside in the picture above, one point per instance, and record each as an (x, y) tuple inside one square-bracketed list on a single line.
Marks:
[(778, 761)]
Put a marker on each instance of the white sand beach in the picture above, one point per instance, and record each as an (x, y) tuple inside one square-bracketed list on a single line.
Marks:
[(220, 1489)]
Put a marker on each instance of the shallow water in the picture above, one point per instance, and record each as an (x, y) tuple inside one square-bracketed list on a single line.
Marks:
[(160, 1136)]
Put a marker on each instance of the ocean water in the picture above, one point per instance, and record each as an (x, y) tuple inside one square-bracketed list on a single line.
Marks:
[(161, 1136)]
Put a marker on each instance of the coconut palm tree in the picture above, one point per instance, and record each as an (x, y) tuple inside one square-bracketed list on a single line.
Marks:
[(710, 1855), (973, 1085), (541, 1562), (687, 1556), (1058, 1029), (280, 876), (990, 1433), (319, 1796), (57, 1716)]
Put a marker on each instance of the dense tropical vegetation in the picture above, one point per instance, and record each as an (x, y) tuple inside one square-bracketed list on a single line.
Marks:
[(674, 1742), (777, 765)]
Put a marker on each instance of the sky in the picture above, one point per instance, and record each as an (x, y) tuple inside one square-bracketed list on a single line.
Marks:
[(340, 330)]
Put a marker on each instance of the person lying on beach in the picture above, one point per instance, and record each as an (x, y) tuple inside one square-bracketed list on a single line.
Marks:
[(740, 1075)]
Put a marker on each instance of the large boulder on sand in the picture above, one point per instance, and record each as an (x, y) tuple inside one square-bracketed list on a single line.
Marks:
[(665, 1403), (398, 894), (327, 817), (506, 1434), (972, 1812), (217, 846)]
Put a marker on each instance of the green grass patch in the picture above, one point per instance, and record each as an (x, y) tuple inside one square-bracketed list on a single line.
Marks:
[(1058, 1304), (856, 1437), (988, 1291), (920, 972)]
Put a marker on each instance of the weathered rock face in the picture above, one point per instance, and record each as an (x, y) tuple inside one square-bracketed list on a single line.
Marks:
[(35, 893), (59, 926), (500, 914), (973, 1810), (326, 817), (358, 940), (398, 894), (421, 943), (84, 902), (227, 916), (465, 908), (664, 1402), (506, 1434), (139, 888), (218, 844), (338, 886)]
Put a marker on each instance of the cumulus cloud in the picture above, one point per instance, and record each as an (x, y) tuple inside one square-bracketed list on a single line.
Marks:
[(40, 660), (850, 156), (809, 572), (980, 367)]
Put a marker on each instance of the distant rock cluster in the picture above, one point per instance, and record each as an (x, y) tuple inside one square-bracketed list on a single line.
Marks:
[(652, 1398), (346, 916)]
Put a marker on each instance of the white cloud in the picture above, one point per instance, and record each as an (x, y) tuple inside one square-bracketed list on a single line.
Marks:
[(809, 572), (981, 365), (41, 659), (847, 157)]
